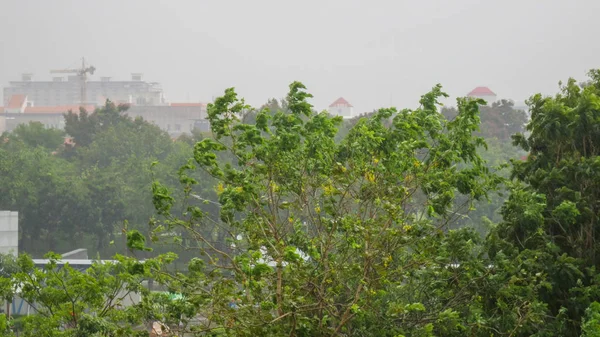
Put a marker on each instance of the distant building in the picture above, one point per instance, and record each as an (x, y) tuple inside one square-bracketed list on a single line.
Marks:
[(9, 232), (46, 102), (484, 93), (176, 118), (341, 107), (62, 91)]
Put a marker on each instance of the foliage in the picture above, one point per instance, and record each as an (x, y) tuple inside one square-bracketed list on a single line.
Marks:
[(68, 302), (34, 134), (551, 216), (591, 324), (499, 120), (77, 196), (296, 222), (8, 265), (324, 238)]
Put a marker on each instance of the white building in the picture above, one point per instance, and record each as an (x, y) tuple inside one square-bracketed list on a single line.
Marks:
[(9, 232), (65, 91), (484, 93), (341, 107)]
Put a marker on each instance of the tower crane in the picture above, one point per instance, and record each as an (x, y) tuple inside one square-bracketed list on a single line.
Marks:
[(82, 73)]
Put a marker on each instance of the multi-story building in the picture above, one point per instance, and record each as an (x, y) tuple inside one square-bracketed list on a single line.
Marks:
[(46, 101), (64, 91), (175, 118)]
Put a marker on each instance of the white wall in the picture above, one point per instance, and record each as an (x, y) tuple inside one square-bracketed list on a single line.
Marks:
[(9, 232), (2, 123), (343, 111)]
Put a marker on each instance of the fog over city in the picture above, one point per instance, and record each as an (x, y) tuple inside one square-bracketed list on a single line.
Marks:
[(353, 168), (371, 53)]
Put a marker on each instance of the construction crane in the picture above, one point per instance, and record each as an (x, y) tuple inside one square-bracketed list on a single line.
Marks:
[(82, 73)]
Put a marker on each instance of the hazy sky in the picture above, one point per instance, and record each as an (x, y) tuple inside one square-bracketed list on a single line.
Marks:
[(370, 52)]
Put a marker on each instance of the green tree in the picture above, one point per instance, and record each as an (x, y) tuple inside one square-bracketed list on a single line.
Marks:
[(499, 120), (8, 265), (323, 238), (35, 134), (69, 302), (551, 216), (48, 200), (84, 125)]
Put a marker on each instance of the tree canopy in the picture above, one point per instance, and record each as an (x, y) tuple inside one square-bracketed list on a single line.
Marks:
[(288, 221)]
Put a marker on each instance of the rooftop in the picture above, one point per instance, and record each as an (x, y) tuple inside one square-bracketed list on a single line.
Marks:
[(340, 102), (16, 101), (481, 91)]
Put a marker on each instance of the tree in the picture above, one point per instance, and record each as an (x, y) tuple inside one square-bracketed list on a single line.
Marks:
[(69, 302), (551, 217), (83, 126), (8, 265), (35, 134), (48, 200), (324, 238), (500, 120)]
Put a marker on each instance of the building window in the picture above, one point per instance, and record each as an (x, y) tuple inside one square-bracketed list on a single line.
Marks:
[(168, 127), (177, 127)]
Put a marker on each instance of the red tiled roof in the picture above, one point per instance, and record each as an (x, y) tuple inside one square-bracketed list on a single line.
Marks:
[(16, 101), (340, 101), (188, 104), (481, 91), (56, 109)]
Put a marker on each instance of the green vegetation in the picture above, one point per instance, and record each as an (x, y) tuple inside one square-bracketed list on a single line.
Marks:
[(287, 221)]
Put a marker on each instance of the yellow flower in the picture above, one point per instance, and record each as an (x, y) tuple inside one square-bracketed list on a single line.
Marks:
[(328, 189), (220, 188), (370, 176)]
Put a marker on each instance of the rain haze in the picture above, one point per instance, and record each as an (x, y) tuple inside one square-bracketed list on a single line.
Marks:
[(141, 196), (371, 53)]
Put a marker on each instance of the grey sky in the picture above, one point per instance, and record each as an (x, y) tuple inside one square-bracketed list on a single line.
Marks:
[(366, 51)]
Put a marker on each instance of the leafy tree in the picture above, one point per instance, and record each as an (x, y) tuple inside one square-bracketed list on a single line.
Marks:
[(35, 134), (69, 302), (551, 216), (8, 265), (499, 120), (48, 200), (591, 324), (324, 237), (83, 126)]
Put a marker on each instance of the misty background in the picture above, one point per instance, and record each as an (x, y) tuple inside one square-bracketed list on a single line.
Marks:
[(372, 53)]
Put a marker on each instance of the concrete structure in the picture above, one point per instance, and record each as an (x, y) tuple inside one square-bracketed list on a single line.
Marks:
[(341, 107), (77, 254), (484, 93), (51, 117), (176, 118), (61, 91), (9, 232)]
